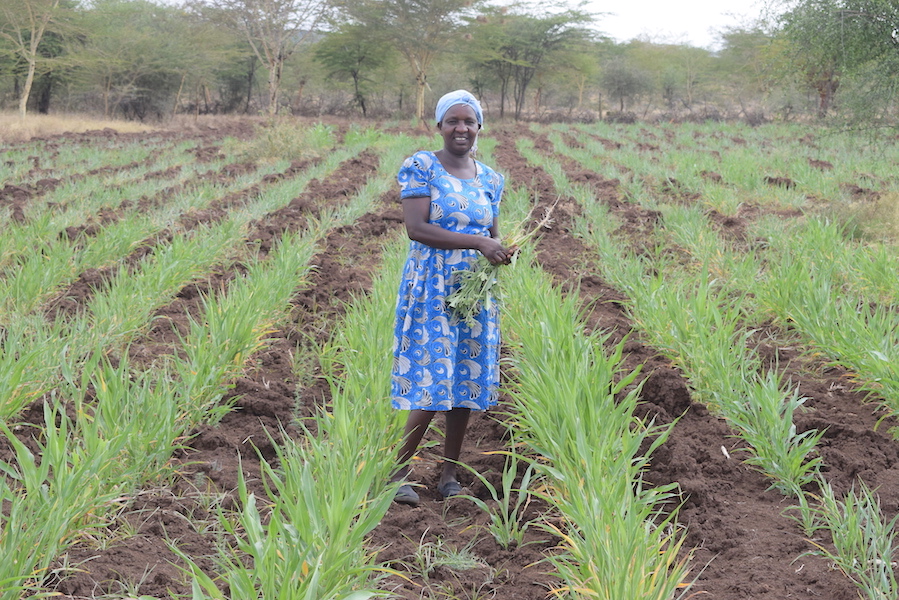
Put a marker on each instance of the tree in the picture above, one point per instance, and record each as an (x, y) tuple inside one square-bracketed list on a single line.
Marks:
[(514, 45), (484, 51), (352, 53), (623, 82), (419, 30), (837, 40), (23, 24), (578, 68), (275, 29), (139, 57), (679, 72)]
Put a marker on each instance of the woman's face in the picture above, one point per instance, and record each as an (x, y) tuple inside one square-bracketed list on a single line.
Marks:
[(459, 129)]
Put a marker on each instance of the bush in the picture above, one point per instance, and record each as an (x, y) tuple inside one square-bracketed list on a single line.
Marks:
[(617, 116), (284, 138)]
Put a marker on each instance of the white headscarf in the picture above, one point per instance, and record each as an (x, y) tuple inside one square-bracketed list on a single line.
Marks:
[(458, 97)]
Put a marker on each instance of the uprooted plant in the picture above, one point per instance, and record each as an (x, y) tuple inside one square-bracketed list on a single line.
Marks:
[(478, 287)]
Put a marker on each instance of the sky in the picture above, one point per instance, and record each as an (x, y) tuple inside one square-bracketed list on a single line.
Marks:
[(689, 22)]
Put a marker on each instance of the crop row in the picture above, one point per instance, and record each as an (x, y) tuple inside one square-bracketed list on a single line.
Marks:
[(704, 311)]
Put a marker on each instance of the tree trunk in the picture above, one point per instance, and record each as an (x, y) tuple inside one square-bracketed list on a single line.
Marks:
[(106, 97), (178, 95), (826, 86), (26, 90), (274, 85), (421, 81), (250, 77), (46, 92)]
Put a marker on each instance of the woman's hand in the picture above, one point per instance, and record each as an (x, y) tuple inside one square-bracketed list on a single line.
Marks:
[(495, 252)]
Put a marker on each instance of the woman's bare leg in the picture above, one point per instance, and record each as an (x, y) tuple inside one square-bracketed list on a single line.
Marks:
[(456, 425), (416, 426)]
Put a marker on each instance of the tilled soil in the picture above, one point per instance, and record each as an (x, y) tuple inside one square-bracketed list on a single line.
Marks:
[(743, 545)]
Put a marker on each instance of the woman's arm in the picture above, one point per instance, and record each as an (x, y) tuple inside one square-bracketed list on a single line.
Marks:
[(416, 213)]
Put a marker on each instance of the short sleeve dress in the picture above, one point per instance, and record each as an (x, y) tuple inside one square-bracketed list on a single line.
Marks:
[(439, 362)]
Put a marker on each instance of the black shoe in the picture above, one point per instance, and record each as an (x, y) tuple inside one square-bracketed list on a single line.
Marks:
[(406, 495), (449, 489)]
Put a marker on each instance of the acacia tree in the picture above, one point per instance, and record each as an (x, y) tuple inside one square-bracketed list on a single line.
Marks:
[(750, 60), (514, 45), (484, 52), (352, 53), (135, 55), (678, 71), (419, 30), (838, 39), (577, 68), (23, 24), (275, 29), (624, 81)]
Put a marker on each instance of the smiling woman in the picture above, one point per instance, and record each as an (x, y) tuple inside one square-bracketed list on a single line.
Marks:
[(441, 362)]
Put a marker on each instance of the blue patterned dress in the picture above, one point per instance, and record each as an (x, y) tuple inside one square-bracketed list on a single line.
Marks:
[(440, 363)]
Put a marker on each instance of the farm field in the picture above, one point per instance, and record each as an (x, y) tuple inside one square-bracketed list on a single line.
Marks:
[(131, 262)]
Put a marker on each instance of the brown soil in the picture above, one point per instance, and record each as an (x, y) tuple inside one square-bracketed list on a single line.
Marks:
[(743, 545)]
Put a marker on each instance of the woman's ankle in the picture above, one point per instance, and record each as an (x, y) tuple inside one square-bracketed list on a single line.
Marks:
[(401, 474)]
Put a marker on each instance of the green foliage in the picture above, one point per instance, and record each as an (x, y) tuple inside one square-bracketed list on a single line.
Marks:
[(510, 47), (509, 502), (848, 45), (863, 541), (51, 500), (418, 31), (282, 138), (353, 54), (623, 82)]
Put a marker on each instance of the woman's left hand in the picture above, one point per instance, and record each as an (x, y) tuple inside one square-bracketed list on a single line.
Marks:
[(495, 252)]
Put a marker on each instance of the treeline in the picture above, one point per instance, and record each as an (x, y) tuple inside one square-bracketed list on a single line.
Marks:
[(147, 60)]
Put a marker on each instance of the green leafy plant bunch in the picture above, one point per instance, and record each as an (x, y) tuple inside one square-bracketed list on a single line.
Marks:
[(479, 287)]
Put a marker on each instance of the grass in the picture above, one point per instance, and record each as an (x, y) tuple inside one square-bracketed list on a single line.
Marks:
[(284, 138)]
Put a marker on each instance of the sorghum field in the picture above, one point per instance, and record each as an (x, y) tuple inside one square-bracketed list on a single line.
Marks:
[(196, 352)]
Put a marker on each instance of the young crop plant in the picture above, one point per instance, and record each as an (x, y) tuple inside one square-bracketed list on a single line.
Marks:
[(44, 259), (23, 371), (806, 288), (700, 322), (507, 525), (51, 501), (234, 325), (306, 538), (764, 420), (864, 546)]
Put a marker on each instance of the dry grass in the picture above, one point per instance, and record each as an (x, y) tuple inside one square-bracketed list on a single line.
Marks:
[(880, 218), (14, 129)]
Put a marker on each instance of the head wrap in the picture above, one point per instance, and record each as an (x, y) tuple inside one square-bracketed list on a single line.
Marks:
[(458, 97)]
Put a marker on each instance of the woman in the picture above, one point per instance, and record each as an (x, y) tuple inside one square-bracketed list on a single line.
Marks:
[(450, 208)]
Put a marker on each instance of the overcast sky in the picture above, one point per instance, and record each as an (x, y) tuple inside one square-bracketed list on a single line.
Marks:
[(689, 22)]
